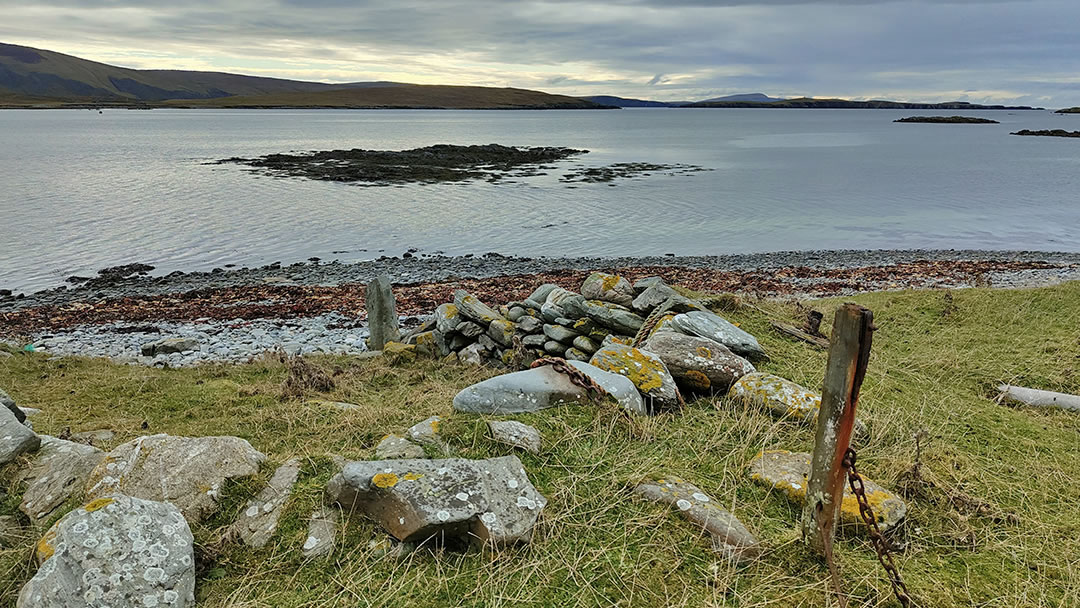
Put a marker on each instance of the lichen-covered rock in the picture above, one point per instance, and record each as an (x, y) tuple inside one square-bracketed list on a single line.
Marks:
[(259, 520), (785, 399), (525, 391), (559, 333), (530, 325), (470, 329), (396, 446), (586, 327), (516, 434), (426, 431), (15, 438), (730, 537), (552, 347), (472, 354), (541, 293), (642, 284), (788, 472), (473, 309), (574, 354), (644, 369), (447, 318), (431, 344), (516, 313), (608, 288), (661, 294), (382, 318), (60, 469), (9, 403), (502, 332), (621, 389), (115, 552), (322, 532), (698, 364), (586, 345), (612, 316), (453, 500), (718, 329), (186, 471)]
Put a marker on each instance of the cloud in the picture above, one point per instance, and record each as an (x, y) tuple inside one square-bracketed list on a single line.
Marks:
[(670, 49)]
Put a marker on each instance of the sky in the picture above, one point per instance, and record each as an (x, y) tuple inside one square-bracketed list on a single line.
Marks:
[(983, 51)]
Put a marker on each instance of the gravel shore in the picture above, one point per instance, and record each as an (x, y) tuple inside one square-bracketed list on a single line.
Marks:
[(319, 307)]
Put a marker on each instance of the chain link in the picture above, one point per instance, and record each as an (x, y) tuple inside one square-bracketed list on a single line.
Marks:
[(881, 546), (576, 376)]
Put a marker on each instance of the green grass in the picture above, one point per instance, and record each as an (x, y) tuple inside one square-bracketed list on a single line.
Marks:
[(935, 362)]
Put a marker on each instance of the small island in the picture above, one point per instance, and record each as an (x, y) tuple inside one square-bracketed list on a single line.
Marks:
[(1075, 110), (949, 120), (1048, 133)]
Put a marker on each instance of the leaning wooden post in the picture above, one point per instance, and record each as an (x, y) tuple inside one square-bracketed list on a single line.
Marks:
[(849, 352)]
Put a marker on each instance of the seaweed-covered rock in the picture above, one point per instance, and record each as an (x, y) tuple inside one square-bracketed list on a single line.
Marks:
[(644, 369), (698, 364), (115, 552), (788, 472), (730, 537), (608, 288), (455, 501), (718, 329), (186, 471)]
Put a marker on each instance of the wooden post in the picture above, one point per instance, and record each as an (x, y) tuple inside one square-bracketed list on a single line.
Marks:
[(849, 352)]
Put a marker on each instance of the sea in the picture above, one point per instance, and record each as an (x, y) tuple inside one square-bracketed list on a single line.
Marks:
[(82, 190)]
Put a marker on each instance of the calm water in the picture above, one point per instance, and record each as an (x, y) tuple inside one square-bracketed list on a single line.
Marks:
[(80, 190)]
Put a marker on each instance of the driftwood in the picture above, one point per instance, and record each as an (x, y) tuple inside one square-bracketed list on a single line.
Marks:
[(1038, 398), (795, 332)]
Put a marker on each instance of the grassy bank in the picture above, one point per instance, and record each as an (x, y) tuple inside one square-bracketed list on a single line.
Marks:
[(992, 521)]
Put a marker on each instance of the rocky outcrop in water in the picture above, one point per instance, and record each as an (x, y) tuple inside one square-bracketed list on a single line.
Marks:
[(1047, 133), (949, 120)]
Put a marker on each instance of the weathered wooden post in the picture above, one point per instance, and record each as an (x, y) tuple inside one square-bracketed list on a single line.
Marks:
[(849, 352), (382, 312)]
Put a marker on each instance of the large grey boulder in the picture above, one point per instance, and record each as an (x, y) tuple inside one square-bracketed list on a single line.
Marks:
[(718, 329), (620, 387), (698, 364), (9, 403), (645, 370), (612, 316), (608, 288), (59, 471), (788, 472), (730, 537), (525, 391), (454, 501), (115, 552), (15, 438), (382, 318), (259, 520), (186, 471), (473, 309)]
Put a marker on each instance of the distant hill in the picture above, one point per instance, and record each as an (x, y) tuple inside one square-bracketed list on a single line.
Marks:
[(757, 97), (806, 102), (32, 77), (1068, 111), (625, 102)]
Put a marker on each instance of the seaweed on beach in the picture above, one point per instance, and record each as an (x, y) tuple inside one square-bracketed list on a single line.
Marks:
[(431, 164)]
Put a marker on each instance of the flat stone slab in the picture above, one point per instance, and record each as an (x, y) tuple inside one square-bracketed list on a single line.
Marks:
[(646, 370), (525, 391), (59, 470), (620, 387), (698, 364), (322, 533), (470, 307), (259, 520), (718, 329), (784, 398), (426, 431), (115, 552), (516, 434), (15, 437), (788, 472), (396, 446), (168, 346), (186, 471), (454, 500), (729, 536), (612, 316)]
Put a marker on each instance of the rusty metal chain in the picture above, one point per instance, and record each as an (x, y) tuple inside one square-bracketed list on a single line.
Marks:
[(576, 376), (881, 546)]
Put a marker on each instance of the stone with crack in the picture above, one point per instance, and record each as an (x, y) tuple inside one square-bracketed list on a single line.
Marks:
[(698, 364), (115, 552), (452, 501), (729, 536), (259, 519), (186, 471), (59, 471)]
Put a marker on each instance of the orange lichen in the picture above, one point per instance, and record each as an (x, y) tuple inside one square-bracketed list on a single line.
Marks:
[(384, 480), (94, 505), (696, 380), (44, 547), (609, 281), (646, 374), (411, 476)]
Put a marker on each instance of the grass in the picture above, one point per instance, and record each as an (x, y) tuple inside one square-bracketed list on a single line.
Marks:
[(992, 522)]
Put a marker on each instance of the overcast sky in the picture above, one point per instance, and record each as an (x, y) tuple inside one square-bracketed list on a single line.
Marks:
[(1013, 51)]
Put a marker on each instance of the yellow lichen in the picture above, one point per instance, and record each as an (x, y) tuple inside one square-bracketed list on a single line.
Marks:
[(435, 425), (609, 281), (450, 311), (384, 480), (411, 476), (44, 547), (646, 373), (850, 505), (94, 505), (696, 380), (703, 351)]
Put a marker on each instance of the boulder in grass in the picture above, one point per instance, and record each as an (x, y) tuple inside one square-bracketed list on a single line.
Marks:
[(426, 431), (259, 520), (698, 364), (718, 329), (729, 536), (788, 472), (470, 307), (115, 552), (525, 391), (396, 446), (644, 369), (516, 434), (59, 470), (784, 398), (608, 288), (455, 502), (188, 472), (322, 532), (15, 438)]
